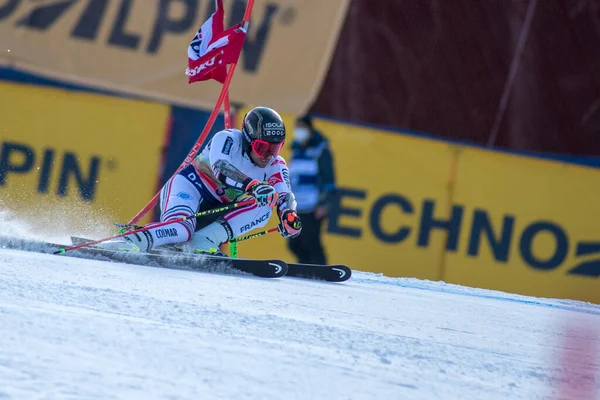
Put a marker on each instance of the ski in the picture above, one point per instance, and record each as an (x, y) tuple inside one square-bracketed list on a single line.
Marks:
[(329, 273), (261, 268), (172, 260)]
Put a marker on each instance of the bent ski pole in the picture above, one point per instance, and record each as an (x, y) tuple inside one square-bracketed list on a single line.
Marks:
[(233, 250), (213, 211), (252, 235)]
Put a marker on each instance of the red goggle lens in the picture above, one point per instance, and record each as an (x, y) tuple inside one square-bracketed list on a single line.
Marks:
[(265, 149)]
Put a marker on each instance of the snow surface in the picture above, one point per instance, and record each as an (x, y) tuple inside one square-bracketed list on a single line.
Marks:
[(89, 329)]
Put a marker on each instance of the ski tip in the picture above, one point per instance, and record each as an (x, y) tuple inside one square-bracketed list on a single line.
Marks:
[(279, 268), (328, 273), (344, 273)]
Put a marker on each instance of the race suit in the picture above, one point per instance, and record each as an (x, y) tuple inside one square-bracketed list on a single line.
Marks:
[(206, 183)]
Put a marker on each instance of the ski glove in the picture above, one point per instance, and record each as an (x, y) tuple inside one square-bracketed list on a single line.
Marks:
[(290, 225), (264, 194)]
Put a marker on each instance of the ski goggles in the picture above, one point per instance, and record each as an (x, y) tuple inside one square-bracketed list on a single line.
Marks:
[(265, 149)]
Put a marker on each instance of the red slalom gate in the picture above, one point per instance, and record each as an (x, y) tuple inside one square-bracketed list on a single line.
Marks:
[(223, 99)]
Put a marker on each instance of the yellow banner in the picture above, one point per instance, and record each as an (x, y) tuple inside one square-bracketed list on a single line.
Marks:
[(75, 163), (413, 207), (140, 46), (528, 226), (374, 226)]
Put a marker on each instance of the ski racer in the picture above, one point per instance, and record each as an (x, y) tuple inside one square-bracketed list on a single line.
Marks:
[(234, 165)]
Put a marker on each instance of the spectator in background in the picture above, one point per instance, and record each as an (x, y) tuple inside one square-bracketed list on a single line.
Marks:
[(313, 182)]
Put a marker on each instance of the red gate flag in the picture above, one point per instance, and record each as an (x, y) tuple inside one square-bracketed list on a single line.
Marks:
[(213, 48)]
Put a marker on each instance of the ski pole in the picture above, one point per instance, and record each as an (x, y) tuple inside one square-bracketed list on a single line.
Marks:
[(213, 211), (252, 235)]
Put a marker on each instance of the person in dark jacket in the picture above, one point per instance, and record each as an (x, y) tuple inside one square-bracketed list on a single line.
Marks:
[(313, 181)]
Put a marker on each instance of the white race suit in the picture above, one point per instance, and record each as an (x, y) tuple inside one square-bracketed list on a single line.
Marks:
[(201, 186)]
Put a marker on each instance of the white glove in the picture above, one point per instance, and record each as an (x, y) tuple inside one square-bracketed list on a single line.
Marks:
[(264, 194)]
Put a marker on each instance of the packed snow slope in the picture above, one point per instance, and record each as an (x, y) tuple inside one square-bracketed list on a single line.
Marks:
[(90, 329)]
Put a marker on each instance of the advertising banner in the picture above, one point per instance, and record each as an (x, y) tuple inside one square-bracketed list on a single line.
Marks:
[(140, 46), (384, 180), (415, 207), (526, 225), (77, 162)]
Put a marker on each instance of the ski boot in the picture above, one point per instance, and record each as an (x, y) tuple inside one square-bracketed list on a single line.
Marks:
[(208, 239), (140, 241)]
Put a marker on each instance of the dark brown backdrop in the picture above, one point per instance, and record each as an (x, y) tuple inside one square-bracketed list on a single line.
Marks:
[(442, 67)]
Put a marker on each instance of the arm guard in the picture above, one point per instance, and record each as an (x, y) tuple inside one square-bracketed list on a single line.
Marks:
[(230, 175)]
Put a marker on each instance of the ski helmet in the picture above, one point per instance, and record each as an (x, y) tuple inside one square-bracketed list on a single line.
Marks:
[(263, 131)]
